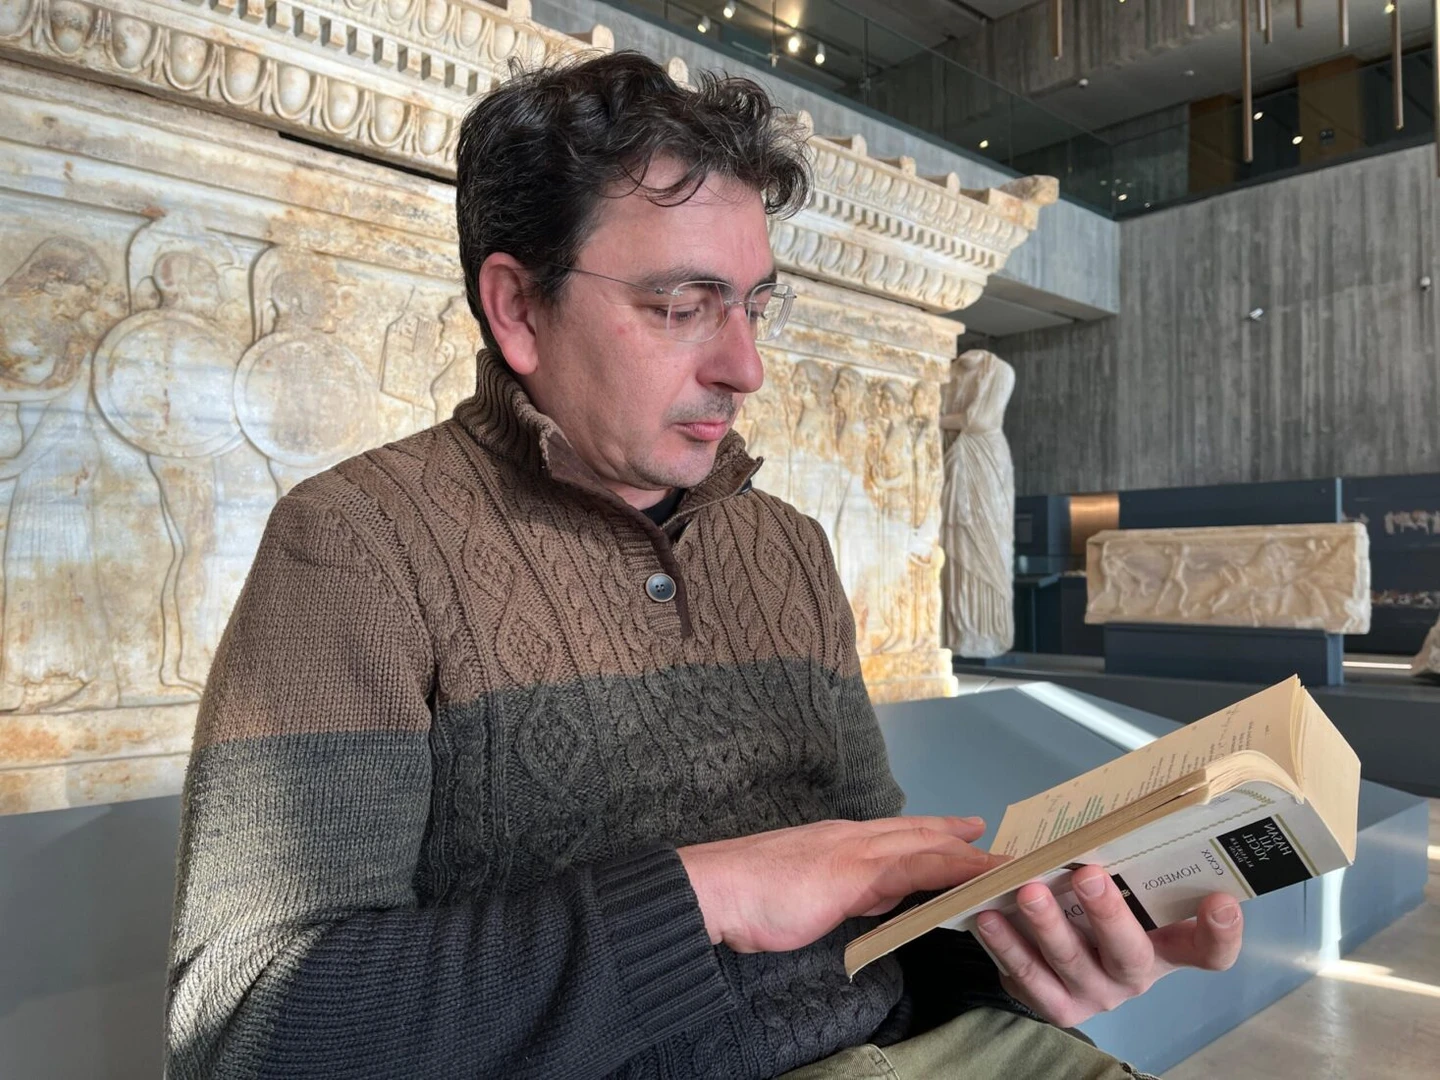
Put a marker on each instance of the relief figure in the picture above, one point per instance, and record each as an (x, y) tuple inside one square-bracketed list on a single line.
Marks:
[(56, 646)]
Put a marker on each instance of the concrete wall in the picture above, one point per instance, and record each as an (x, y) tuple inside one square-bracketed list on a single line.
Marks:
[(1340, 376), (1068, 265), (1099, 34)]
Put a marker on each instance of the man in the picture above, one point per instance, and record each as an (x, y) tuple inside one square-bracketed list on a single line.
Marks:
[(537, 745)]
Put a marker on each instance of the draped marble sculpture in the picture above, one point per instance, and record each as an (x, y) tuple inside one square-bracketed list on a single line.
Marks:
[(978, 521), (195, 315)]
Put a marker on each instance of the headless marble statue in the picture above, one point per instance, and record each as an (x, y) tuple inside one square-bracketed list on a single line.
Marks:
[(978, 529)]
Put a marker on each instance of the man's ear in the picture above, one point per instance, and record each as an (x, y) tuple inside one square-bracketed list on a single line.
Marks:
[(510, 308)]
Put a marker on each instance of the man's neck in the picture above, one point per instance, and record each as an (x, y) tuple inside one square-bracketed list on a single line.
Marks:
[(663, 507)]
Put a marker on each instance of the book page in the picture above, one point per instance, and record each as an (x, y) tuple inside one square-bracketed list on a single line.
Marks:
[(1330, 772), (1261, 722)]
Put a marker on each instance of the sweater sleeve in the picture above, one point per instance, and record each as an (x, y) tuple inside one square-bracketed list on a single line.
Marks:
[(299, 948)]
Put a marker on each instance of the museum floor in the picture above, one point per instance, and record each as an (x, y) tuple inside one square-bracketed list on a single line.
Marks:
[(1374, 1014)]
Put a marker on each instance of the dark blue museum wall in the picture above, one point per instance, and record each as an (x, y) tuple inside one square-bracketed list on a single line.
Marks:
[(1402, 516), (1339, 378)]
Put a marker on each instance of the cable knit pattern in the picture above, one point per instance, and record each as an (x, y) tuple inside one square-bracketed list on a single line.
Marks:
[(449, 747)]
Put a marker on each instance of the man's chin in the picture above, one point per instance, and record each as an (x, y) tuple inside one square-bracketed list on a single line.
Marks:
[(684, 470)]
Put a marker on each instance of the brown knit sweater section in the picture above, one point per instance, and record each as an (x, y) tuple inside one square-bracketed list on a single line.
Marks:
[(450, 744)]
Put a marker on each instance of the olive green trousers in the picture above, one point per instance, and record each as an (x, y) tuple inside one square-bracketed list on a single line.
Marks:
[(982, 1044)]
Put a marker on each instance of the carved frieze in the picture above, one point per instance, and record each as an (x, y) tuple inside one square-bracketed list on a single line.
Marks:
[(179, 347), (388, 77), (847, 423), (393, 78), (196, 315), (1306, 577)]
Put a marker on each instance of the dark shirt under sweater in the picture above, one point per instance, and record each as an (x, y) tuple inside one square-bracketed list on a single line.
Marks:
[(449, 746)]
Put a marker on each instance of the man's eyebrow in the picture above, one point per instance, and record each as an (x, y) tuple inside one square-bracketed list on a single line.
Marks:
[(670, 277)]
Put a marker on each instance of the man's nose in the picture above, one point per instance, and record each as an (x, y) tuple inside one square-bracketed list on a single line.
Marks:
[(734, 362)]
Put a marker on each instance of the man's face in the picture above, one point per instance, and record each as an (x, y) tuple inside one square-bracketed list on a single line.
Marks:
[(644, 410)]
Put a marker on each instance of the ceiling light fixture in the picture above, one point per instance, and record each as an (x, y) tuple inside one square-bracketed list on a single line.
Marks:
[(1122, 196), (1297, 140), (729, 9), (1390, 9), (820, 54), (984, 144), (793, 45), (704, 24), (1259, 114)]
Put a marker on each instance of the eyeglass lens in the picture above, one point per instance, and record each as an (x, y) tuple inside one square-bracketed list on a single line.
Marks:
[(698, 310)]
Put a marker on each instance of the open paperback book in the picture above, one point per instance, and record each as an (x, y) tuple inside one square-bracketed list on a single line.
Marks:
[(1258, 796)]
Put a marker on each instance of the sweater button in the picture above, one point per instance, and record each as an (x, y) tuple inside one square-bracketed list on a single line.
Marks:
[(660, 588)]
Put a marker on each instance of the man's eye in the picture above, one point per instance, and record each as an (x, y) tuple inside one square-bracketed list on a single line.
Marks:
[(678, 314)]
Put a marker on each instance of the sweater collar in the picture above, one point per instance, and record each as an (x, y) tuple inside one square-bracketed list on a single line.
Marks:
[(502, 418)]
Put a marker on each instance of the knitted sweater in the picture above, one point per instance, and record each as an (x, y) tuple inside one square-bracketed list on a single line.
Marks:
[(450, 744)]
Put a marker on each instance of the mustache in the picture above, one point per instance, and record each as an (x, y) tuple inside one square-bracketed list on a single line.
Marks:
[(715, 407)]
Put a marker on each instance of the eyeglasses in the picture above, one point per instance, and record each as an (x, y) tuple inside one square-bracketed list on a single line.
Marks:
[(695, 311)]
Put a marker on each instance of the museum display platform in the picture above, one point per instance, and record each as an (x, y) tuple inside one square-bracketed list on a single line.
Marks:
[(1005, 740), (85, 900), (1391, 718)]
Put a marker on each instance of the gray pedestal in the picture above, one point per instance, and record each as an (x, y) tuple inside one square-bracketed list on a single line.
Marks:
[(1224, 653)]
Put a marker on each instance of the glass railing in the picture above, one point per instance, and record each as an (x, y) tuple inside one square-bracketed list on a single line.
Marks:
[(1313, 123), (836, 51), (833, 50)]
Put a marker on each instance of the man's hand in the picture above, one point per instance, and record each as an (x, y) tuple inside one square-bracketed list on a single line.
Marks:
[(782, 890), (1067, 981)]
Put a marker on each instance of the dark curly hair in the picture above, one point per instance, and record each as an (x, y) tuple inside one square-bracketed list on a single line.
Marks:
[(537, 155)]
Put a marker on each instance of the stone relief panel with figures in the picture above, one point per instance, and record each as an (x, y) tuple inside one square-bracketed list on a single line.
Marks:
[(1303, 577), (194, 316), (848, 427), (199, 389), (164, 377)]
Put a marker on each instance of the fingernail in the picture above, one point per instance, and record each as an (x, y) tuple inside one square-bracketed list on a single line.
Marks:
[(988, 922), (974, 820), (1091, 887), (1224, 917), (1033, 905)]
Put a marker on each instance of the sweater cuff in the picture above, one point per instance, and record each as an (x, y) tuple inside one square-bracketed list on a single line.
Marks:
[(666, 962)]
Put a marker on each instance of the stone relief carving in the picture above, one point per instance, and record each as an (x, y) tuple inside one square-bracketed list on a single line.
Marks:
[(391, 76), (393, 79), (163, 381), (1309, 577), (53, 310), (222, 398), (240, 312), (978, 533), (859, 451)]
